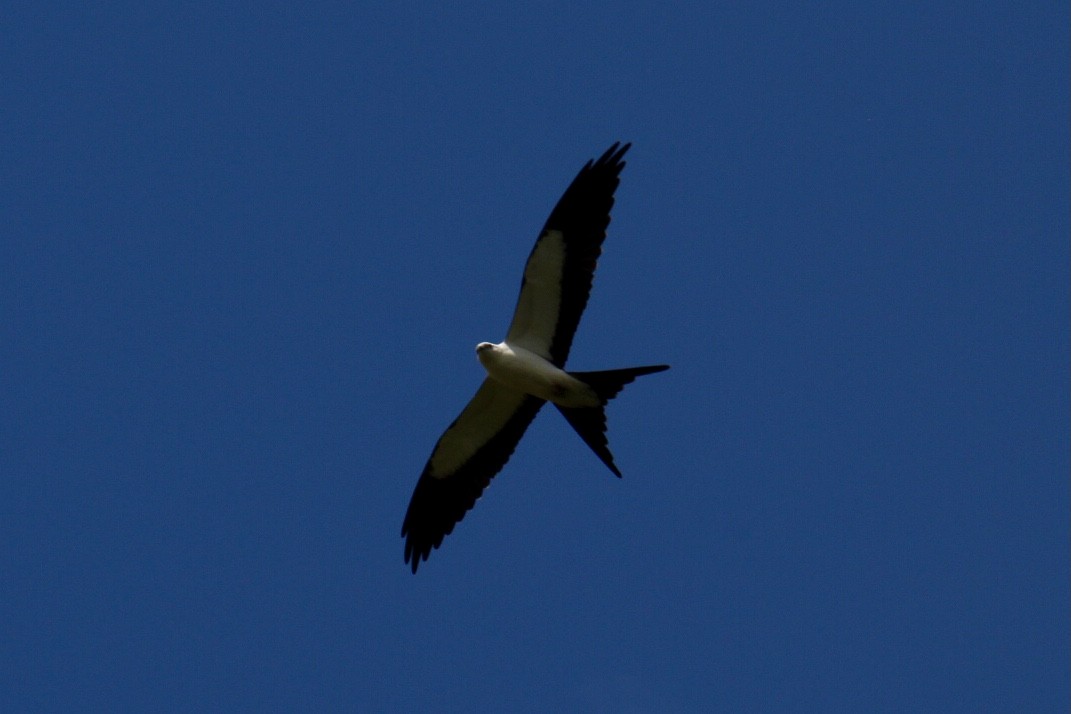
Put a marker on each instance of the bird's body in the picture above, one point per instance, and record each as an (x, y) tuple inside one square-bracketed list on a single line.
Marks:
[(527, 372), (527, 369)]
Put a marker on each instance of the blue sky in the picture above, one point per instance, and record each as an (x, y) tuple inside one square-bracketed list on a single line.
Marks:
[(248, 250)]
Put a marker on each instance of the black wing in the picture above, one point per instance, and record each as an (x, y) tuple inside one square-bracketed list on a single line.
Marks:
[(561, 266), (467, 456)]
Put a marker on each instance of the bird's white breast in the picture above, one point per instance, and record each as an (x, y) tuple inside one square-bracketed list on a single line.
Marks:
[(525, 371)]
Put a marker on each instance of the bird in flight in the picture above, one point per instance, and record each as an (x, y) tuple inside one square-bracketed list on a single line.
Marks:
[(527, 369)]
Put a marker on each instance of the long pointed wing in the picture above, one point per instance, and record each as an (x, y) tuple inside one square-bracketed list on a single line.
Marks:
[(467, 456), (559, 271)]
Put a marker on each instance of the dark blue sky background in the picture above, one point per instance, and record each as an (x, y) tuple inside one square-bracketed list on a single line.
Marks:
[(247, 251)]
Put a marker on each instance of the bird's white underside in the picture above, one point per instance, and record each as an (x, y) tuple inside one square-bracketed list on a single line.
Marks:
[(513, 373), (527, 372)]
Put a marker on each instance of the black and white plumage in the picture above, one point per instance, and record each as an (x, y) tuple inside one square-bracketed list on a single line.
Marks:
[(526, 370)]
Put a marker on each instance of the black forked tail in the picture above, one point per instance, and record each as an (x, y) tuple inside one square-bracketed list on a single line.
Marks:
[(590, 422)]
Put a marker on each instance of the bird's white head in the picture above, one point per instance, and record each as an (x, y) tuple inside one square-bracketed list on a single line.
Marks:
[(484, 352)]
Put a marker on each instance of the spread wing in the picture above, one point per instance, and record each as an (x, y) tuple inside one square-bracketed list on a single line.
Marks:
[(467, 456), (559, 271)]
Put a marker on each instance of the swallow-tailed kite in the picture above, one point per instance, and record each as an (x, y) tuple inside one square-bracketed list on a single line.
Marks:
[(527, 369)]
